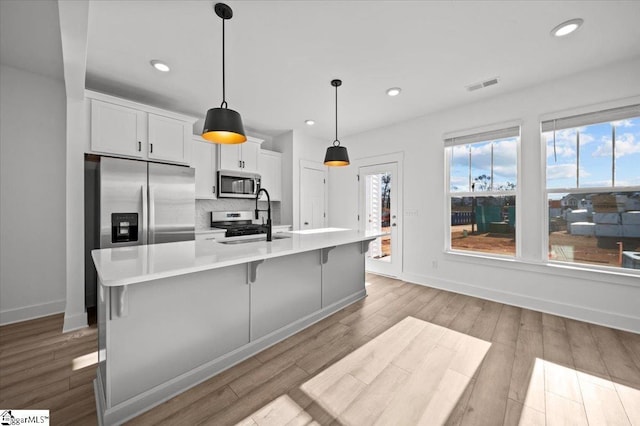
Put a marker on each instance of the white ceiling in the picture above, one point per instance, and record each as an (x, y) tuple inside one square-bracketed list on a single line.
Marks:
[(282, 55)]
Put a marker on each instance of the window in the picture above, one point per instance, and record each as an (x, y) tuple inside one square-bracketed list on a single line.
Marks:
[(482, 182), (593, 188)]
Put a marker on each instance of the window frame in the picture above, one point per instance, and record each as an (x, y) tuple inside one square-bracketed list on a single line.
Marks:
[(517, 193), (545, 250)]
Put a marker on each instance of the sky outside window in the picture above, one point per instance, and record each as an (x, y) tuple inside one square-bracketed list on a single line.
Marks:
[(505, 164), (628, 152), (595, 155)]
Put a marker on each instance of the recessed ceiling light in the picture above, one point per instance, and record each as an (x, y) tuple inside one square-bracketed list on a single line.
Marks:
[(160, 66), (394, 91), (567, 27), (309, 122)]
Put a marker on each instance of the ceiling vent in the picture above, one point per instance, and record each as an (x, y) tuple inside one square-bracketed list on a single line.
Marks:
[(482, 84)]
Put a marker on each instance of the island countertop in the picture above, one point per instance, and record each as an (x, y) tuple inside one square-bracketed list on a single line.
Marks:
[(136, 264)]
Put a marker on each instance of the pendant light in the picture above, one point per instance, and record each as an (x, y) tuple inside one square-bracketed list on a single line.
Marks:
[(223, 125), (336, 155)]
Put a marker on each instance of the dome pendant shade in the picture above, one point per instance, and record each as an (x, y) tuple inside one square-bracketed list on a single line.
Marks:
[(223, 125), (336, 156)]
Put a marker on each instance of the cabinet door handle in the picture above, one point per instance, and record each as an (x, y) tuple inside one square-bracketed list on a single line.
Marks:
[(151, 145), (213, 189), (139, 146), (243, 164), (239, 164)]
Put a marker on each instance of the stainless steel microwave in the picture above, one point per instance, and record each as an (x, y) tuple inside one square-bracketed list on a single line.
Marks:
[(232, 184)]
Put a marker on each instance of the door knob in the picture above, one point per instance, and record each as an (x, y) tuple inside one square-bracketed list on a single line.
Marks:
[(306, 223), (393, 224)]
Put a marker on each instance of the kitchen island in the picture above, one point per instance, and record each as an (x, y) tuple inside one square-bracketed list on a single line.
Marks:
[(173, 315)]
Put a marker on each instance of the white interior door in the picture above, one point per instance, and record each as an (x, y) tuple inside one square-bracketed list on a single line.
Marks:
[(312, 198), (379, 189)]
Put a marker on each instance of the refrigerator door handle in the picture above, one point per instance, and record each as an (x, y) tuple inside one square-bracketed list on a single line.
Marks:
[(143, 230), (152, 217)]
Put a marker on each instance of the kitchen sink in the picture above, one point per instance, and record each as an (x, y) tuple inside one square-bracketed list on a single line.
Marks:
[(254, 239)]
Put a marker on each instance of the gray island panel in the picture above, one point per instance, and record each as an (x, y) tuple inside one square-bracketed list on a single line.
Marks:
[(286, 289), (161, 333)]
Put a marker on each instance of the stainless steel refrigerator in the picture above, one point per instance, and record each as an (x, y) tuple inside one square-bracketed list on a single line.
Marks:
[(130, 202)]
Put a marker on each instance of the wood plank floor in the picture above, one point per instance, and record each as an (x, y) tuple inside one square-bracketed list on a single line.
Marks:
[(406, 354)]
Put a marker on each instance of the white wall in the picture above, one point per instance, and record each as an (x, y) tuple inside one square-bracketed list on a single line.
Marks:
[(32, 195), (609, 299), (295, 147), (307, 148), (74, 24), (284, 144)]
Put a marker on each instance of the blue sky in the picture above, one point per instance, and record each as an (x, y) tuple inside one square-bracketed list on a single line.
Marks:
[(595, 158), (505, 156), (595, 155)]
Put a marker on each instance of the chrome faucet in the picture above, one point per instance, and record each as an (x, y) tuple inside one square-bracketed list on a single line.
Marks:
[(268, 211)]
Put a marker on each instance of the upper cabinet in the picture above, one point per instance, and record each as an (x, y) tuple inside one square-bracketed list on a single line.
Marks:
[(116, 129), (240, 157), (271, 173), (169, 139), (204, 160), (128, 129)]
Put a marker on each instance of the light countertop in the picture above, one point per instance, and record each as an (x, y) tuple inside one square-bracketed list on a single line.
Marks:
[(130, 265), (220, 230), (210, 231)]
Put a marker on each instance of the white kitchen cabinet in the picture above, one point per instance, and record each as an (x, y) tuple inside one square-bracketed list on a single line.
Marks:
[(270, 169), (117, 129), (203, 160), (169, 139), (242, 157), (128, 129)]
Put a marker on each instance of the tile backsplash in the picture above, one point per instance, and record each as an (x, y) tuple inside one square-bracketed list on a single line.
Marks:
[(203, 207)]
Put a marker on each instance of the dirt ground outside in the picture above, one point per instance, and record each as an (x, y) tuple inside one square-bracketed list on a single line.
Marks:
[(562, 245), (463, 239), (585, 249)]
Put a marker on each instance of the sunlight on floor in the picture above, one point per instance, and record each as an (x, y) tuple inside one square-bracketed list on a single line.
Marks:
[(84, 361), (280, 411), (562, 395), (413, 373)]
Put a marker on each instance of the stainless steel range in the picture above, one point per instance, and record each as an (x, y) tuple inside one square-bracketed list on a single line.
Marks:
[(237, 223)]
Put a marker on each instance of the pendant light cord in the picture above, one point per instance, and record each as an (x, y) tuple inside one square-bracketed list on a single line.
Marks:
[(224, 98), (338, 142)]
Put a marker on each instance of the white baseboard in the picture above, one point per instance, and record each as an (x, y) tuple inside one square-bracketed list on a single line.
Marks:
[(74, 322), (25, 313), (581, 313)]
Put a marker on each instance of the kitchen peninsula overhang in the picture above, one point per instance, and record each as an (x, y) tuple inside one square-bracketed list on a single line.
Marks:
[(136, 264), (173, 315)]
